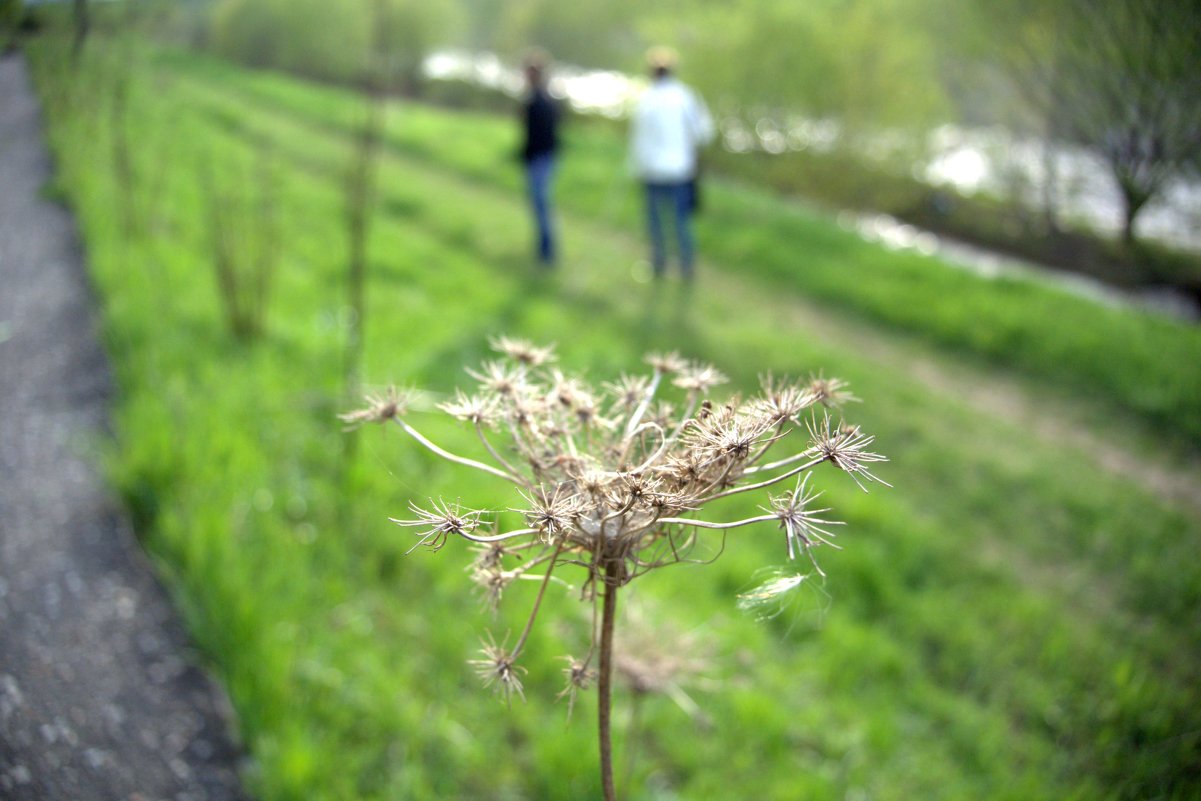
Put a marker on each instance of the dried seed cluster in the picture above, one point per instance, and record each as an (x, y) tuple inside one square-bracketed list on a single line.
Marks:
[(615, 480)]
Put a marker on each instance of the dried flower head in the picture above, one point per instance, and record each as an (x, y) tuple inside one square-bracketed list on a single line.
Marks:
[(579, 677), (829, 391), (492, 579), (783, 401), (481, 410), (617, 482), (551, 512), (628, 391), (440, 522), (621, 493), (843, 447), (666, 362), (523, 351), (497, 669), (390, 404), (500, 378), (699, 378), (803, 528)]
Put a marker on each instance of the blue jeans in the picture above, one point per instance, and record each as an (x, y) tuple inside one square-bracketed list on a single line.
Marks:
[(539, 171), (674, 199)]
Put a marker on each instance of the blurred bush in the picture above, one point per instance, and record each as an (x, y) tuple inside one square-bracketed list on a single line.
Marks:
[(332, 42)]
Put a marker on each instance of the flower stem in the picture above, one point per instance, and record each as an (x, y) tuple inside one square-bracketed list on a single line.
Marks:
[(605, 680), (537, 602)]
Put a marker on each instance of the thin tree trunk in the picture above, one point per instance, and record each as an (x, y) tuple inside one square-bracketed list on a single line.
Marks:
[(361, 192), (360, 204), (82, 25), (1130, 210)]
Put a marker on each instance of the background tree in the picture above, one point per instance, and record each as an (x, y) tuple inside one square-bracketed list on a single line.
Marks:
[(588, 33), (866, 65), (326, 41), (1118, 77)]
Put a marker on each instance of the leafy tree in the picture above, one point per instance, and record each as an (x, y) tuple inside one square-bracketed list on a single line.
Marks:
[(1119, 77), (590, 33), (866, 64)]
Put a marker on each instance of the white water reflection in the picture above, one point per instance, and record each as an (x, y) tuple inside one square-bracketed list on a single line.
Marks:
[(897, 235)]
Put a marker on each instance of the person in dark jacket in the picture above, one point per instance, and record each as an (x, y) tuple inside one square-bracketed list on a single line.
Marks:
[(541, 126)]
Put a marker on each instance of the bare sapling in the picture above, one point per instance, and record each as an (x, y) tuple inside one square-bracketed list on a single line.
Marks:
[(244, 239)]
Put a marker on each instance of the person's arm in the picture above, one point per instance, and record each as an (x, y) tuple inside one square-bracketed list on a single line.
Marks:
[(527, 123), (636, 145)]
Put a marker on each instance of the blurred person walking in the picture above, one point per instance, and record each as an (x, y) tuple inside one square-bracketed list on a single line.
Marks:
[(540, 118), (669, 124)]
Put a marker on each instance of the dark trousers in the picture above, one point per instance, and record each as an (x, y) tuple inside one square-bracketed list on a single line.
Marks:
[(672, 200), (539, 171)]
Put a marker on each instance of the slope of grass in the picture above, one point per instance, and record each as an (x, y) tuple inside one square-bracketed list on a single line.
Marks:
[(1013, 620), (1150, 364)]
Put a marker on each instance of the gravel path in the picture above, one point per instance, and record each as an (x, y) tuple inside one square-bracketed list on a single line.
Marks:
[(100, 697)]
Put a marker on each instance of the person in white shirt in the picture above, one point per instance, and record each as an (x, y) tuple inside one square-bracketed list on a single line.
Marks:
[(669, 124)]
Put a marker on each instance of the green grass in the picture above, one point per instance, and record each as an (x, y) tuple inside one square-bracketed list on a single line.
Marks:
[(1151, 364), (1014, 620)]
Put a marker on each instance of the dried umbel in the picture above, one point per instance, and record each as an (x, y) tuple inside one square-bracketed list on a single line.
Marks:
[(616, 481)]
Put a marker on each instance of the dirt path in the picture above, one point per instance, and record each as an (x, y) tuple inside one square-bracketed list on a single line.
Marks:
[(100, 697)]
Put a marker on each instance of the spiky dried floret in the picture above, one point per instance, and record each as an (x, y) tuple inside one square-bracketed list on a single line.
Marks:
[(579, 677), (567, 391), (670, 362), (628, 391), (492, 581), (499, 671), (699, 378), (443, 520), (635, 489), (381, 408), (683, 470), (481, 410), (844, 448), (489, 554), (552, 512), (803, 526), (501, 378), (529, 413), (830, 391), (782, 400), (524, 351)]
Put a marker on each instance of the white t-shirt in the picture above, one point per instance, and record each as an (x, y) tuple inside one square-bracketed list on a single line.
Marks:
[(669, 123)]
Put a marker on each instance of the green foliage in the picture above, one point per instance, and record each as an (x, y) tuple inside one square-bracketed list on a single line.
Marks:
[(1118, 78), (309, 37), (590, 33), (1013, 621), (864, 64), (330, 41)]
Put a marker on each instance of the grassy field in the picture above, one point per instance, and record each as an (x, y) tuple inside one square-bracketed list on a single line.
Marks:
[(1015, 619)]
